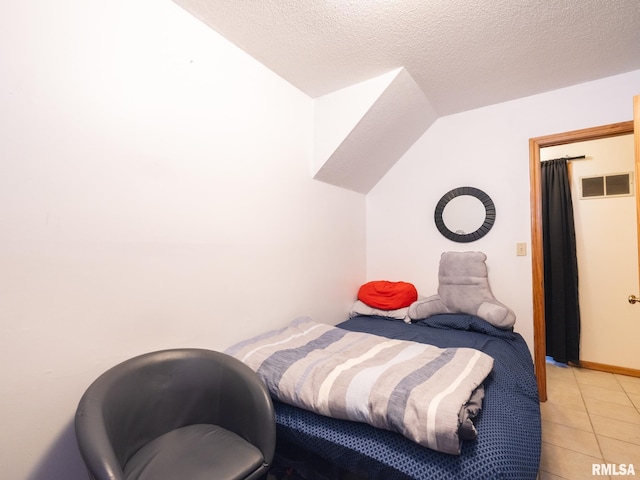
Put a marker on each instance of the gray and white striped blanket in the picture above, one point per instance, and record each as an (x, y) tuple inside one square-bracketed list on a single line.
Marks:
[(412, 388)]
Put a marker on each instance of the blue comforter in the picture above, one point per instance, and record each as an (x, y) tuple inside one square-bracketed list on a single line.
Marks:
[(508, 442)]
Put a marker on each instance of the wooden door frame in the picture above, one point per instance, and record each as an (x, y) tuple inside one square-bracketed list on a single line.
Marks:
[(537, 260)]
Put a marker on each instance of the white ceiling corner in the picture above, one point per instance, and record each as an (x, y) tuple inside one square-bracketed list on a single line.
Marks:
[(393, 122), (461, 54), (337, 113)]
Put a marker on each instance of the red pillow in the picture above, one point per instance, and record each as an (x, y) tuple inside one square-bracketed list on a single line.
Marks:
[(387, 295)]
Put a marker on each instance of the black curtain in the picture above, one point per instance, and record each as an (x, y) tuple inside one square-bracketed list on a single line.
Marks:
[(562, 311)]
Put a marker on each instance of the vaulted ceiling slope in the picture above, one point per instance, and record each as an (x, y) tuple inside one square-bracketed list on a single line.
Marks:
[(461, 54)]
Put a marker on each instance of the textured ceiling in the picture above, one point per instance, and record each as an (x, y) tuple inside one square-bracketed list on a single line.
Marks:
[(462, 54), (438, 56)]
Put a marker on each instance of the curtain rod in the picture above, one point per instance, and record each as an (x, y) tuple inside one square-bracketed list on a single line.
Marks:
[(566, 157)]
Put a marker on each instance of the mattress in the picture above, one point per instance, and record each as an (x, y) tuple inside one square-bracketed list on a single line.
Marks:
[(509, 437)]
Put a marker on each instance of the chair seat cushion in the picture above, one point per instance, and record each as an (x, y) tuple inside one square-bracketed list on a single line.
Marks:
[(195, 452)]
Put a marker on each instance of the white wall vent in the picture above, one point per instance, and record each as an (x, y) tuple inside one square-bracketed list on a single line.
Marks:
[(610, 185)]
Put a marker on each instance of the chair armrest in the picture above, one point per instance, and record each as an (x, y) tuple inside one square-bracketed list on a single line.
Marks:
[(94, 443), (246, 407)]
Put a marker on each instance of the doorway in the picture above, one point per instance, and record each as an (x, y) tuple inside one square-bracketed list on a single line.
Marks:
[(535, 144), (604, 209)]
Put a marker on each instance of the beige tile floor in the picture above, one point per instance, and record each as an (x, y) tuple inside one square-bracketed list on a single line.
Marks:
[(590, 417)]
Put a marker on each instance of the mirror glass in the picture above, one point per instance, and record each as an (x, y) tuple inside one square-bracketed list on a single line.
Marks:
[(465, 214)]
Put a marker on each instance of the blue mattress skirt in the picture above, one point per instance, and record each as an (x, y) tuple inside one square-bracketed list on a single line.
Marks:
[(509, 437)]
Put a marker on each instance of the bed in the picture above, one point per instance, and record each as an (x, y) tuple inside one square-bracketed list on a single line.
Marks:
[(508, 425)]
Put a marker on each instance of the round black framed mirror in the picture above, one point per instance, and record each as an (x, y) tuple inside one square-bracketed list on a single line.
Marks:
[(465, 214)]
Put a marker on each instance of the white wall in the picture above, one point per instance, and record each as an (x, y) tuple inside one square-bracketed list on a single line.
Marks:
[(488, 149), (155, 192)]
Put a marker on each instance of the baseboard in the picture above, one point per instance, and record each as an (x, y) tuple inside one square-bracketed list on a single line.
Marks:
[(631, 372)]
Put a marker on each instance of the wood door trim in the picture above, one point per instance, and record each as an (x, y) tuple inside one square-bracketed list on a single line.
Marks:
[(636, 142), (537, 260)]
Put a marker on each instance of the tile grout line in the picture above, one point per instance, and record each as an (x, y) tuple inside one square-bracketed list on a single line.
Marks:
[(637, 407), (584, 384), (595, 434), (631, 401), (598, 435), (568, 448)]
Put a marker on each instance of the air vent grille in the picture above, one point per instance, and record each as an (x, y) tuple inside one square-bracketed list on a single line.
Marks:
[(611, 185)]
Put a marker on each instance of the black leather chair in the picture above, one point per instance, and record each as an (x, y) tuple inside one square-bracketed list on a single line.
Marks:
[(184, 414)]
